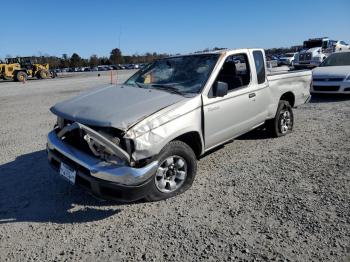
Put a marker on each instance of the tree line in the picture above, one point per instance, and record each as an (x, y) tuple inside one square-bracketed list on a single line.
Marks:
[(116, 57), (283, 50)]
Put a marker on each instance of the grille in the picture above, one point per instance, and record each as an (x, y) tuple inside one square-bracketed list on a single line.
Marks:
[(338, 79), (76, 139), (326, 88), (302, 57), (308, 56)]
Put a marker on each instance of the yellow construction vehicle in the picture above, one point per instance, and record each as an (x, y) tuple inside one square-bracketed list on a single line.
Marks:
[(31, 68), (1, 65), (9, 68), (20, 68)]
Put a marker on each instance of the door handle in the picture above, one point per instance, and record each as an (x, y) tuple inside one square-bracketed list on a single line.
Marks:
[(251, 95)]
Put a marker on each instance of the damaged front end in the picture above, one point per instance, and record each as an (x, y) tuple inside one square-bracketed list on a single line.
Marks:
[(101, 144), (99, 152)]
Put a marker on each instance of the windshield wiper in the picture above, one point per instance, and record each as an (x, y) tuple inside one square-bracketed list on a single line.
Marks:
[(168, 88), (139, 85)]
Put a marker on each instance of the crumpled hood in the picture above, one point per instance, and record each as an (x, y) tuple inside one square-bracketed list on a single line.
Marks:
[(331, 71), (112, 106)]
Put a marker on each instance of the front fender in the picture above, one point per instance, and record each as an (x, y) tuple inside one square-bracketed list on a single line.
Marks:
[(151, 136)]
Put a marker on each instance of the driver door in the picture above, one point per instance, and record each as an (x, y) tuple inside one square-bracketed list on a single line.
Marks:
[(233, 114)]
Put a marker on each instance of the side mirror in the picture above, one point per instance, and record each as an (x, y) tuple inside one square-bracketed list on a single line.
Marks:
[(220, 89)]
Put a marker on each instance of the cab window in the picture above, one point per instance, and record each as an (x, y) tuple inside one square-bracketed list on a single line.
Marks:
[(259, 66), (235, 72)]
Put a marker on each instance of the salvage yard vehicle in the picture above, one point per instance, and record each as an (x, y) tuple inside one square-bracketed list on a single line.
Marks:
[(271, 61), (33, 68), (287, 59), (20, 68), (316, 50), (142, 139), (8, 69), (1, 68), (333, 75)]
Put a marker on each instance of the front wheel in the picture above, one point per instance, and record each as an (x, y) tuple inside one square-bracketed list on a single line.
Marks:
[(283, 122), (21, 76), (53, 74), (176, 171)]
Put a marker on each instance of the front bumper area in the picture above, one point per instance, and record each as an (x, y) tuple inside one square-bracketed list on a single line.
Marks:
[(101, 178), (330, 87), (307, 64)]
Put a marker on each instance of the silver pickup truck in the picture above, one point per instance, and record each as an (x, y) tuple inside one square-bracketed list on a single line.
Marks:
[(142, 139)]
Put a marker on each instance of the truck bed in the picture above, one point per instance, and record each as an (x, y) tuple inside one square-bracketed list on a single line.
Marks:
[(295, 81), (286, 74), (282, 70)]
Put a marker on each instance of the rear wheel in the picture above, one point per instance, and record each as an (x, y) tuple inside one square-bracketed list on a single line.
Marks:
[(53, 74), (43, 74), (283, 122), (21, 76), (176, 171)]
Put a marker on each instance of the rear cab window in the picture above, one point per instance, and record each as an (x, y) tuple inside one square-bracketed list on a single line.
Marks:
[(259, 66)]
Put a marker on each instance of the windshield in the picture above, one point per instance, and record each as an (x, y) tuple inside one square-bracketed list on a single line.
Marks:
[(182, 74), (325, 44), (312, 44), (337, 59)]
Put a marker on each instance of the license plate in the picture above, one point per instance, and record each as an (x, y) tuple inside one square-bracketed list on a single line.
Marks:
[(68, 173)]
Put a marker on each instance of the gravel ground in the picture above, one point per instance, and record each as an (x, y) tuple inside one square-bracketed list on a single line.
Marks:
[(256, 198)]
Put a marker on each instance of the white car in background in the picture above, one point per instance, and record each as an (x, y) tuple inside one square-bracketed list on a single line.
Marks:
[(333, 75), (287, 59), (340, 46)]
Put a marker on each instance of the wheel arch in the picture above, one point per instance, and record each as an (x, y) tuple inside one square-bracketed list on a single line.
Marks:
[(194, 140), (289, 97)]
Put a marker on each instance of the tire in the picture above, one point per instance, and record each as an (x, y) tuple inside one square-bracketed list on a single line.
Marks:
[(53, 74), (283, 122), (21, 76), (177, 164), (43, 74)]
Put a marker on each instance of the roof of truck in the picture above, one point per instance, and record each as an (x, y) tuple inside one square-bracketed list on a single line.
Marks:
[(221, 51)]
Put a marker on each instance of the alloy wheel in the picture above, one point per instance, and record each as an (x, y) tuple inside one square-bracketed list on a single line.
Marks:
[(171, 174)]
